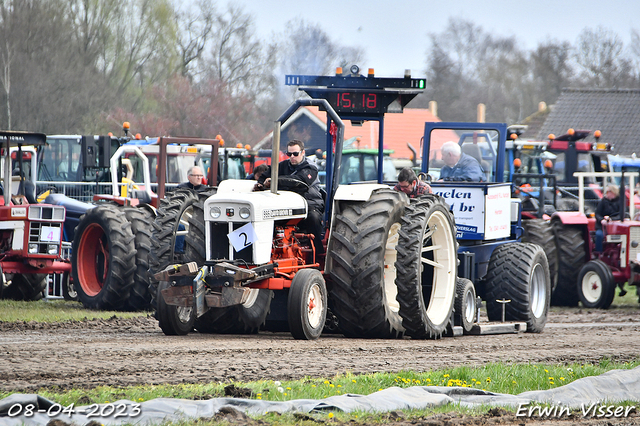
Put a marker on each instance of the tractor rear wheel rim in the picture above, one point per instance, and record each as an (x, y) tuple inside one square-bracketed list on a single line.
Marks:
[(439, 241), (94, 266), (390, 255), (592, 287), (314, 306), (538, 291)]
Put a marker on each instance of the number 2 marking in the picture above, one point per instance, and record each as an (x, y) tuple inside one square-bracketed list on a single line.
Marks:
[(246, 238)]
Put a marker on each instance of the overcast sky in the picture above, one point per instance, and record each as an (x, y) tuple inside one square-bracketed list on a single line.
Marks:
[(394, 33)]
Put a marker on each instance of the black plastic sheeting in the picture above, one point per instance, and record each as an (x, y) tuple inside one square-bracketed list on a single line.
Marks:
[(584, 394)]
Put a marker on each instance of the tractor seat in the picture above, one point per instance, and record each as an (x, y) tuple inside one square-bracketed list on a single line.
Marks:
[(473, 150)]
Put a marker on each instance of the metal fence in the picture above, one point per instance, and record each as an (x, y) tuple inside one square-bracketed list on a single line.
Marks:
[(84, 191)]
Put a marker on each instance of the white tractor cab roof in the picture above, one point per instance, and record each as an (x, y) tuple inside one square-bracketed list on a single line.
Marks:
[(180, 158), (19, 139)]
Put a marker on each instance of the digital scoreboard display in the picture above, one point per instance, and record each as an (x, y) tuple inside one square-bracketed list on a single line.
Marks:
[(355, 96), (359, 102)]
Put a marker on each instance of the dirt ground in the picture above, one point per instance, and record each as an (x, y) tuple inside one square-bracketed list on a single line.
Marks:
[(119, 352)]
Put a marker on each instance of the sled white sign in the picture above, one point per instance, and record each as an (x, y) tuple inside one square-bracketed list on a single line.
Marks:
[(481, 212)]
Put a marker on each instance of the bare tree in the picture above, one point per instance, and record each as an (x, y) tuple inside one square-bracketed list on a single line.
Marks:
[(195, 29), (129, 41), (599, 54), (238, 58), (552, 69)]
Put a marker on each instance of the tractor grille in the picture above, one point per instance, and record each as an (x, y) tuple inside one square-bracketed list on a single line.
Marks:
[(44, 234), (634, 235), (220, 243), (46, 213)]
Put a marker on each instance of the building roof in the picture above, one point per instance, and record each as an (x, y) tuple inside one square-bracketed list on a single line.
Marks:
[(399, 129), (615, 112)]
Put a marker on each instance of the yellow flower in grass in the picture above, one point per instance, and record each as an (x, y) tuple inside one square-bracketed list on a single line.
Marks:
[(330, 415), (488, 379)]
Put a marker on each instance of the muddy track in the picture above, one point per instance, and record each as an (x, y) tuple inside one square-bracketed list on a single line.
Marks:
[(123, 352)]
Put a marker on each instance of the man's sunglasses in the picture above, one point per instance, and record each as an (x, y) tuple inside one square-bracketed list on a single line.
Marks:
[(294, 153)]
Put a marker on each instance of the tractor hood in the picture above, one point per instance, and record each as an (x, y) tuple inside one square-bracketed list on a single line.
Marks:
[(254, 206)]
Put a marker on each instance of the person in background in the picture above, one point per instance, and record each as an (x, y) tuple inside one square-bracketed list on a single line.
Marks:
[(409, 183), (459, 166), (257, 172), (608, 208), (194, 174)]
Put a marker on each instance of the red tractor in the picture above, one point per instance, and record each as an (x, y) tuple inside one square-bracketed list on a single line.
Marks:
[(596, 272), (31, 233)]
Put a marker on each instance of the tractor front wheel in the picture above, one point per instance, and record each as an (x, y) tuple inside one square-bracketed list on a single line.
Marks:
[(27, 287), (596, 286), (307, 305)]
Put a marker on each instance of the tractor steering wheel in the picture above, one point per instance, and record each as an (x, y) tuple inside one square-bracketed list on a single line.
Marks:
[(287, 183)]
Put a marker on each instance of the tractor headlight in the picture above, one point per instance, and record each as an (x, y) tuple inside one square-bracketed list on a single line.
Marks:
[(33, 248), (215, 212), (52, 248), (245, 213)]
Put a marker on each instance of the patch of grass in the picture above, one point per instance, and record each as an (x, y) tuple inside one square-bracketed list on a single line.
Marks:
[(499, 378), (54, 311), (629, 300)]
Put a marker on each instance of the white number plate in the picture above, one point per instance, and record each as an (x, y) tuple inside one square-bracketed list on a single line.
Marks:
[(50, 233)]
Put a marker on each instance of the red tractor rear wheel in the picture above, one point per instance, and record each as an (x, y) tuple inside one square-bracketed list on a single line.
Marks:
[(103, 258)]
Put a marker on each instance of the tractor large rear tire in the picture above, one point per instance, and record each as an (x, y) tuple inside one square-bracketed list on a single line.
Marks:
[(28, 287), (141, 220), (519, 272), (361, 259), (540, 232), (240, 319), (572, 255), (426, 267), (103, 258), (173, 211)]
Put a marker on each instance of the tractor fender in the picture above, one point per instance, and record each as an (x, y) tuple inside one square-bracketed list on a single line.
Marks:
[(570, 218), (358, 192)]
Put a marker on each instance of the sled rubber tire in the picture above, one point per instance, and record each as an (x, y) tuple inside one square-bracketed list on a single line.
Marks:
[(511, 267), (168, 317), (465, 292)]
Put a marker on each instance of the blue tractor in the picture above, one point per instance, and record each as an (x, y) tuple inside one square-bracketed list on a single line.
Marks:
[(512, 277)]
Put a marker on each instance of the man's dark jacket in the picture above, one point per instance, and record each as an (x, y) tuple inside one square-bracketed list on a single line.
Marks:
[(305, 172), (607, 207)]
